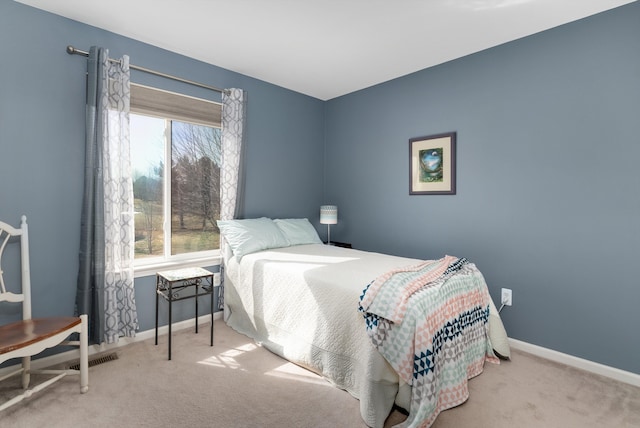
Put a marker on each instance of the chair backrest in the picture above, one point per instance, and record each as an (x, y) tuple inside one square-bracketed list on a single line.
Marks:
[(7, 232)]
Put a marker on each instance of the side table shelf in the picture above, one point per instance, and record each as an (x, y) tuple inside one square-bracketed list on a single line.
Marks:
[(181, 284)]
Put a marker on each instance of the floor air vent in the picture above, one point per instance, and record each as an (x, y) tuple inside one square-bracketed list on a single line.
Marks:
[(95, 361)]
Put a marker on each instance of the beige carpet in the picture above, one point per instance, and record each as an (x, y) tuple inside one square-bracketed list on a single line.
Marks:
[(237, 384)]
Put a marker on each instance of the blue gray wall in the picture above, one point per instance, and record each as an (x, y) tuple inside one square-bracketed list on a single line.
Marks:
[(548, 199), (42, 93)]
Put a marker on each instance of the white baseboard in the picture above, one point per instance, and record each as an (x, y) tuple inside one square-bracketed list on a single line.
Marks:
[(64, 357), (579, 363), (549, 354)]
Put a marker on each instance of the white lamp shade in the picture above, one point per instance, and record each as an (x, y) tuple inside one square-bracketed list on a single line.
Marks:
[(328, 214)]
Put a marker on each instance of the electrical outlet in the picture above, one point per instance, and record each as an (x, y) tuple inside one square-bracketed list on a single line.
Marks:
[(216, 279), (506, 297)]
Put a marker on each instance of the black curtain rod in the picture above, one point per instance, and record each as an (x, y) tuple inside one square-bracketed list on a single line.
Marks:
[(73, 51)]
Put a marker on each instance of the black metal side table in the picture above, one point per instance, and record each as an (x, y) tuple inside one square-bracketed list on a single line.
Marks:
[(180, 284)]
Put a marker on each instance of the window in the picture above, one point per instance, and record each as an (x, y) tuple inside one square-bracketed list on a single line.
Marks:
[(175, 158)]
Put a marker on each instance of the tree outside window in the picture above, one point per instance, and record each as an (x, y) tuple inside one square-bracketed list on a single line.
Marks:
[(191, 186)]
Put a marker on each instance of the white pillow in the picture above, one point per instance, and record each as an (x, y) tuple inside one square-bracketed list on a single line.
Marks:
[(298, 231), (251, 235)]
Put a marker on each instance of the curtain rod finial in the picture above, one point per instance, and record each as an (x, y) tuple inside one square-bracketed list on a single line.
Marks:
[(71, 50)]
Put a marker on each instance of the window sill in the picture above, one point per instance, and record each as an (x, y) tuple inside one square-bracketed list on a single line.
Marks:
[(151, 269)]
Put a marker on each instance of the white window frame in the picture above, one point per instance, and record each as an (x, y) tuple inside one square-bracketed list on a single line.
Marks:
[(150, 265)]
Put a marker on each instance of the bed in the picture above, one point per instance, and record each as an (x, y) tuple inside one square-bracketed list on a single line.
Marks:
[(303, 300)]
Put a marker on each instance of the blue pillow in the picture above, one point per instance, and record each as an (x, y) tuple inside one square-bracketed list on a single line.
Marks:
[(298, 231), (251, 235)]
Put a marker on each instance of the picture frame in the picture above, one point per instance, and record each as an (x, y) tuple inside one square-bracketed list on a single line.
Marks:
[(432, 164)]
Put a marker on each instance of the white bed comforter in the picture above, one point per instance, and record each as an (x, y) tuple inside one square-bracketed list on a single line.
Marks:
[(301, 303)]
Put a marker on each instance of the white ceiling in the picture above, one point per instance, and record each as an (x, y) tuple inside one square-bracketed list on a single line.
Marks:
[(325, 48)]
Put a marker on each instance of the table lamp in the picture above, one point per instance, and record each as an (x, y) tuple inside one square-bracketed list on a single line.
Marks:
[(328, 216)]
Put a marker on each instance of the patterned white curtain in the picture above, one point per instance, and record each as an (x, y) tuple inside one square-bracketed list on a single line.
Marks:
[(233, 122), (105, 280), (120, 307), (234, 111)]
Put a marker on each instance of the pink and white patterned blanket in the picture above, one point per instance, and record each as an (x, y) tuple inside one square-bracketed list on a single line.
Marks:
[(429, 321)]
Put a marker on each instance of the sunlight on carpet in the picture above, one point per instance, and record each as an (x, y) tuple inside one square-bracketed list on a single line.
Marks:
[(227, 359), (291, 371)]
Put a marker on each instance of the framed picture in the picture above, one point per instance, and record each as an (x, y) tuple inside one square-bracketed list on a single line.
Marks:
[(432, 165)]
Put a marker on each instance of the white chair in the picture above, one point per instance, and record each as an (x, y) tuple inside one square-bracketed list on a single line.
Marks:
[(30, 336)]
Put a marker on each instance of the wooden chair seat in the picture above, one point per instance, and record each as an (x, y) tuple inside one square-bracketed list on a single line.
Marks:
[(22, 334)]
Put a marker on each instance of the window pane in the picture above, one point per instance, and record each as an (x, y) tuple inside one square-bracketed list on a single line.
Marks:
[(195, 184), (147, 154)]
